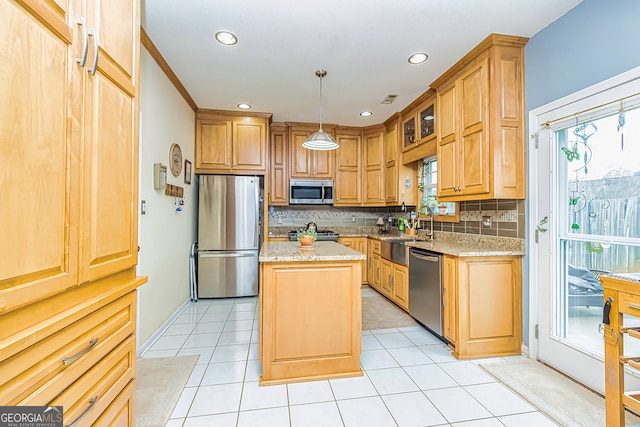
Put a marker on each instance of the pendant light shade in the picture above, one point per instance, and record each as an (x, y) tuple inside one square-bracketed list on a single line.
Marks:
[(320, 140)]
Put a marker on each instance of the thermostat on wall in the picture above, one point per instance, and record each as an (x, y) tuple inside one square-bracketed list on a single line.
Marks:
[(159, 176)]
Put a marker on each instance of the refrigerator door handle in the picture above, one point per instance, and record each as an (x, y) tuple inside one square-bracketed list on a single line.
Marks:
[(255, 235), (222, 254)]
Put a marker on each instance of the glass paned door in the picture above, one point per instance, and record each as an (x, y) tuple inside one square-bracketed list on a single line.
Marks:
[(588, 189)]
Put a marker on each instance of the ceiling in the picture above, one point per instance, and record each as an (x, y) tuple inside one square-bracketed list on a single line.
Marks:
[(363, 45)]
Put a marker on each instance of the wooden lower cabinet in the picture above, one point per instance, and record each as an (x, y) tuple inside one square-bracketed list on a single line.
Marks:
[(310, 320), (483, 305), (373, 263), (400, 286), (388, 278), (358, 244), (76, 349), (394, 282), (449, 285), (386, 275), (121, 412)]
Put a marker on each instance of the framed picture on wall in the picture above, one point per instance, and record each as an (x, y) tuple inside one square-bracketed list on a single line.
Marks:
[(187, 172)]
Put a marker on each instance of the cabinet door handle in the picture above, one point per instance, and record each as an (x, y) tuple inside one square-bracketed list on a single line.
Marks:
[(85, 42), (71, 359), (444, 301), (93, 69), (92, 403), (635, 306)]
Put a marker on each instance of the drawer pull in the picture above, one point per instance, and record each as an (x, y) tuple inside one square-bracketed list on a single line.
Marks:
[(635, 306), (69, 360), (92, 402)]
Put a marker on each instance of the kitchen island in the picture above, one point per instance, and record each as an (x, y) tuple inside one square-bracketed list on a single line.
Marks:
[(310, 312)]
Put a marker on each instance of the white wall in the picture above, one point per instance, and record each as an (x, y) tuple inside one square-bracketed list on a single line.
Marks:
[(165, 236)]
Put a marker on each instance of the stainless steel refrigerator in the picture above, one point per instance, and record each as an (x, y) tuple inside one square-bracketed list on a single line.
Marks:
[(228, 235)]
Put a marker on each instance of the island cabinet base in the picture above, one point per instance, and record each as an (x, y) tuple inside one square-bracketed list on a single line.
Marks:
[(310, 320)]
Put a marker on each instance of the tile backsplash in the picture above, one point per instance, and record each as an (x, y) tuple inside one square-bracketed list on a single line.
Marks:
[(507, 217)]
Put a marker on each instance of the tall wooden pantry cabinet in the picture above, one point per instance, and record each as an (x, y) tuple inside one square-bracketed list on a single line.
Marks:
[(68, 185)]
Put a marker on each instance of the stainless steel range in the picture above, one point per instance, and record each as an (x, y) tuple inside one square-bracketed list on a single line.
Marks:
[(323, 236)]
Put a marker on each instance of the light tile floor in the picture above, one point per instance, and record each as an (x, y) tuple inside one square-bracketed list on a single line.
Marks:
[(410, 379)]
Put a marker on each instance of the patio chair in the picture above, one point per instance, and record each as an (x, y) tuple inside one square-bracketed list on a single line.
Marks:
[(585, 288)]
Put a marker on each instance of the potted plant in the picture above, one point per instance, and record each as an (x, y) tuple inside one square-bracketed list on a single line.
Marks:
[(428, 201), (306, 237)]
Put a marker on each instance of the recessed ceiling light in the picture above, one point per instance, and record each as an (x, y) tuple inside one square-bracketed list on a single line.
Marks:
[(225, 37), (366, 113), (418, 58), (244, 106)]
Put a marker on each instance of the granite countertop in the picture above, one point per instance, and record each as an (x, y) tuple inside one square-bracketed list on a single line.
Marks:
[(459, 244), (321, 251), (464, 250), (455, 244)]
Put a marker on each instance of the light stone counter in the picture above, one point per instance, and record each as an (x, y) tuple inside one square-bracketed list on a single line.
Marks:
[(321, 251), (465, 250), (456, 244)]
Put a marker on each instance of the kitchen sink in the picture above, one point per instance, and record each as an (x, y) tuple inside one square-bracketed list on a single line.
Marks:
[(395, 250)]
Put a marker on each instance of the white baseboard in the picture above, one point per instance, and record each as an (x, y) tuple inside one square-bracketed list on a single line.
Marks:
[(525, 350), (161, 330)]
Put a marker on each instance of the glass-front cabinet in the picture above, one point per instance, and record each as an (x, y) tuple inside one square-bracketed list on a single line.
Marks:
[(419, 128), (427, 121), (409, 132)]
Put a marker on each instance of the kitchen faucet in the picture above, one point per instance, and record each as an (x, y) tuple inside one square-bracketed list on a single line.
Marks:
[(430, 231)]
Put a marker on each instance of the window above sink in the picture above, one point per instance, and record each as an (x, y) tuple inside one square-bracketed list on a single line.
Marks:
[(427, 185)]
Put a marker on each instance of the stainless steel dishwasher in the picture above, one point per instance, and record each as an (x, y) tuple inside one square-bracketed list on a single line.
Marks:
[(425, 288)]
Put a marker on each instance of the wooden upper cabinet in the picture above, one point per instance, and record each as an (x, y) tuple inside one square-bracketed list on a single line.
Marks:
[(400, 181), (76, 142), (40, 199), (480, 126), (309, 163), (231, 143), (111, 141), (348, 183), (374, 166), (278, 162), (418, 129), (213, 144), (390, 164)]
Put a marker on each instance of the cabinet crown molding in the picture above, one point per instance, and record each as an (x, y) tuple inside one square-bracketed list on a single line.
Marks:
[(204, 113), (490, 41)]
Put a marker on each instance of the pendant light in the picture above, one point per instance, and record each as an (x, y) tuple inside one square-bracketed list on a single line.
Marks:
[(320, 140)]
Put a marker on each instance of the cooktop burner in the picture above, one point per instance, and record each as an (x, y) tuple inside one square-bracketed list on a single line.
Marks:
[(323, 235)]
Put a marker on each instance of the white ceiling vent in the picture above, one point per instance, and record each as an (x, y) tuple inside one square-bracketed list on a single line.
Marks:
[(389, 99)]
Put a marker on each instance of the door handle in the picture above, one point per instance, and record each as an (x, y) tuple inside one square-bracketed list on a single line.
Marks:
[(94, 34), (85, 42), (430, 258)]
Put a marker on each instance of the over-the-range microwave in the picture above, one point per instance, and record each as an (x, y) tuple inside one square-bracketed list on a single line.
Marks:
[(310, 192)]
